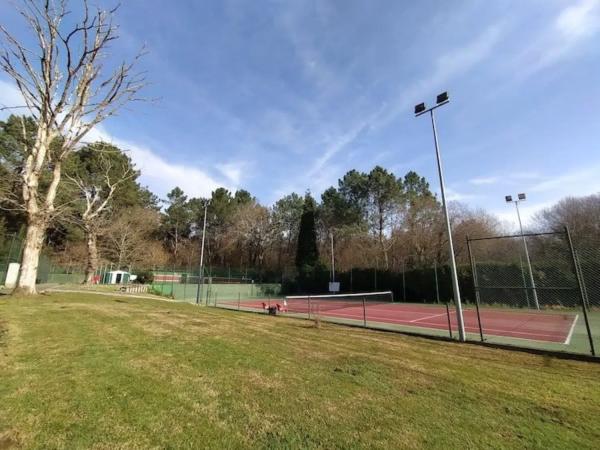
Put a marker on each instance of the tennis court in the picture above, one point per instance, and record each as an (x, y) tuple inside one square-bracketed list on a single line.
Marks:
[(551, 327)]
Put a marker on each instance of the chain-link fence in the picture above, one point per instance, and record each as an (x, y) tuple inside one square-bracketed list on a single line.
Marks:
[(587, 255), (209, 290), (427, 282), (534, 281), (10, 252), (530, 291)]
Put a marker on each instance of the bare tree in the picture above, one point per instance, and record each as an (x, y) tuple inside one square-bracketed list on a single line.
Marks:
[(252, 230), (128, 239), (68, 89), (97, 190), (580, 214)]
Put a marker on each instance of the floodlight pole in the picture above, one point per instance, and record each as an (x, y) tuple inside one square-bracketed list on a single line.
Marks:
[(201, 268), (531, 280), (332, 259), (455, 287)]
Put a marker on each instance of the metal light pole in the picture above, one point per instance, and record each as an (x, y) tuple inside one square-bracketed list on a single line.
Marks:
[(332, 259), (420, 109), (522, 197), (201, 269)]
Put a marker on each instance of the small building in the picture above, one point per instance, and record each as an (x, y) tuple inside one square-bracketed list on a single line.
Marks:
[(118, 277)]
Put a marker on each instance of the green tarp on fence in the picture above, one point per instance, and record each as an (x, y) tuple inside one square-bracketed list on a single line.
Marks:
[(216, 292)]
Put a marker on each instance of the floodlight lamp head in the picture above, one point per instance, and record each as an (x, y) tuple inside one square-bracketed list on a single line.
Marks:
[(419, 108), (508, 198), (522, 197), (443, 97)]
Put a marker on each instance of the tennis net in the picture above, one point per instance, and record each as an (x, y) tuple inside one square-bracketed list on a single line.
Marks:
[(313, 304)]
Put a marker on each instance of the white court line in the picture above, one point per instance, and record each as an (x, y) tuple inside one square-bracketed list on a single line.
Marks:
[(568, 340), (427, 317), (499, 332)]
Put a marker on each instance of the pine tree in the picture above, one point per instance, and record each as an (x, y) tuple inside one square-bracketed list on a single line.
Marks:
[(307, 253)]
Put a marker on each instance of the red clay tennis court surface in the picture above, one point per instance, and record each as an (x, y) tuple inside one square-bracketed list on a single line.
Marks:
[(531, 325)]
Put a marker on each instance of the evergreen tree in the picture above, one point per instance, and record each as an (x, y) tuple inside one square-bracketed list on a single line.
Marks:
[(177, 220), (307, 253)]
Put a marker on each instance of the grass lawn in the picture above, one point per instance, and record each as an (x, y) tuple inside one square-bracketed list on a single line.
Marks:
[(84, 370)]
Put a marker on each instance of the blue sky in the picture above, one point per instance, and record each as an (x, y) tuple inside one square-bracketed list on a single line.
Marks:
[(283, 96)]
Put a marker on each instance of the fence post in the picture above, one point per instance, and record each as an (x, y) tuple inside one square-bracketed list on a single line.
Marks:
[(524, 281), (585, 294), (173, 281), (579, 284), (437, 287), (12, 242), (475, 286), (449, 324), (364, 312), (375, 272), (404, 280)]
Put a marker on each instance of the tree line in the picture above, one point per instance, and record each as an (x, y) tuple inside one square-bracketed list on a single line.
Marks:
[(371, 219)]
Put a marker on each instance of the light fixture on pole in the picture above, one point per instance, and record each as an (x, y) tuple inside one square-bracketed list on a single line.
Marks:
[(421, 109), (521, 198), (201, 268)]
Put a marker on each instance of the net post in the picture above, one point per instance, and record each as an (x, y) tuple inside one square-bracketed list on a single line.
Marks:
[(308, 309), (449, 323), (475, 287), (580, 286), (364, 304), (239, 300)]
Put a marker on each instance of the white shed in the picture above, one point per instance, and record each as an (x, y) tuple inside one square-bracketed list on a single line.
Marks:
[(118, 277)]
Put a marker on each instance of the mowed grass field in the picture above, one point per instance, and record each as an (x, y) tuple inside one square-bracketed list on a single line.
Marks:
[(84, 370)]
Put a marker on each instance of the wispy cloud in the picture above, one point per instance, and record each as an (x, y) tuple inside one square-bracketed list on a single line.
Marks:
[(579, 20), (508, 216), (160, 174), (484, 180), (157, 172), (453, 195), (448, 65), (506, 179), (234, 172), (574, 25), (578, 181)]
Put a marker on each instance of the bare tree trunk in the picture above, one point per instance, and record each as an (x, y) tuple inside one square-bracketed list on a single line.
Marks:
[(381, 243), (36, 230), (92, 255)]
